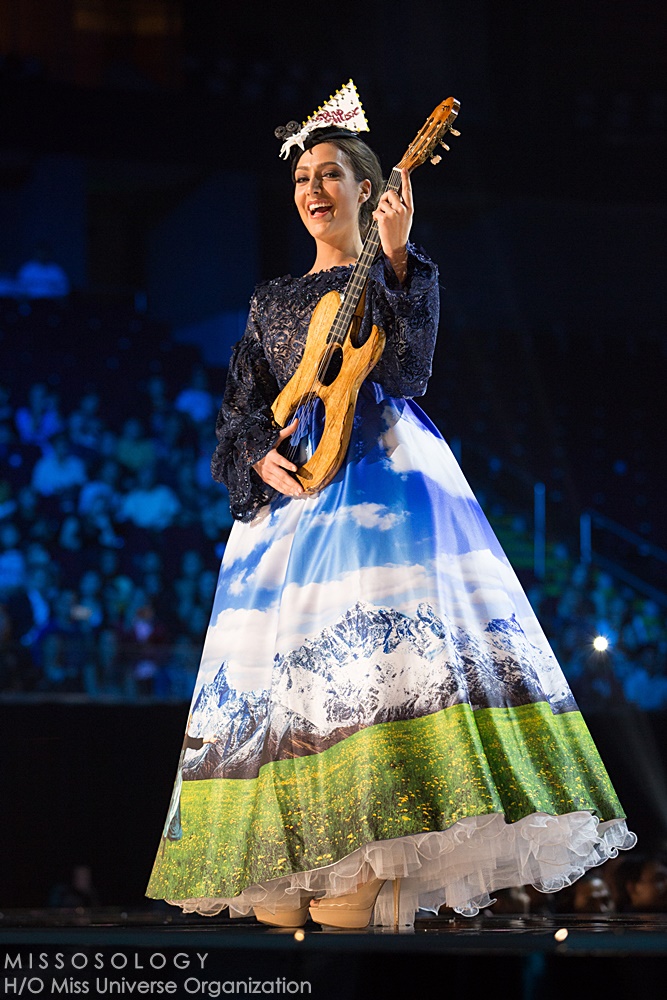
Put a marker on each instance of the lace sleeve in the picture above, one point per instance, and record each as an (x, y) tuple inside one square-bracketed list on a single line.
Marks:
[(245, 427), (408, 315)]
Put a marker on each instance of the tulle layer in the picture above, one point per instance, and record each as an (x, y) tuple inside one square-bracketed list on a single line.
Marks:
[(457, 867)]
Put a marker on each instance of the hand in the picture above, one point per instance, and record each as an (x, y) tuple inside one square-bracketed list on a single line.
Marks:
[(394, 218), (274, 468)]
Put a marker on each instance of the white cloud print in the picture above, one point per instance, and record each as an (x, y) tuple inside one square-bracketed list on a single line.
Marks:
[(366, 515), (305, 610), (483, 585), (272, 567), (479, 567), (412, 448), (246, 641), (263, 531)]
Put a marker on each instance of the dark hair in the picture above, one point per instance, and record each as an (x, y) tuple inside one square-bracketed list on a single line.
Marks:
[(362, 159), (630, 871)]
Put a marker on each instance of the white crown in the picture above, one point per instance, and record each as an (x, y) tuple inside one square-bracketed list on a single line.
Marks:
[(342, 109)]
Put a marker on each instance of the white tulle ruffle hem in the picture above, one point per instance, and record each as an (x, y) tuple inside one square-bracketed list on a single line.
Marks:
[(457, 867)]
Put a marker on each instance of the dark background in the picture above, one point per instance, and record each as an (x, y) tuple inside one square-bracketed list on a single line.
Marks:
[(137, 138)]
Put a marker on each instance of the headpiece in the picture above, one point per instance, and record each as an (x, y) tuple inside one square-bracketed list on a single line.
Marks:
[(342, 109)]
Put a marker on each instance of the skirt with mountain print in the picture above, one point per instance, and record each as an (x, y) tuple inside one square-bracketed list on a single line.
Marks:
[(376, 698)]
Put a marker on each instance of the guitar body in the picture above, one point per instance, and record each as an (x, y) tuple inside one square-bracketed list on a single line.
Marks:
[(333, 373)]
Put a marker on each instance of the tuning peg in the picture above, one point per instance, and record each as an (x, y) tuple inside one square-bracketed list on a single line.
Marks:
[(435, 160), (454, 131), (445, 146)]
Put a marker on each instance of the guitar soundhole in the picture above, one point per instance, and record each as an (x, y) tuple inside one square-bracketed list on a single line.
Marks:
[(333, 366)]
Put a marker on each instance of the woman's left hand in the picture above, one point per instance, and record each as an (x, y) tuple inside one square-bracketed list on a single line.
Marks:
[(394, 218)]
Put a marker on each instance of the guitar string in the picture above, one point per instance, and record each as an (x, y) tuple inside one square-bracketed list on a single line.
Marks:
[(344, 317)]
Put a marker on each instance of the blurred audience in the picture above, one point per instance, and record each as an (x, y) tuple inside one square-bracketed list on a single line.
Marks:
[(633, 883), (111, 529)]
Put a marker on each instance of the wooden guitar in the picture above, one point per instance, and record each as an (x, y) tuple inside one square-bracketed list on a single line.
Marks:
[(334, 364)]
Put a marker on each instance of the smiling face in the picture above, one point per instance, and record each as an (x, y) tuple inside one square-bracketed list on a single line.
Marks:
[(328, 195)]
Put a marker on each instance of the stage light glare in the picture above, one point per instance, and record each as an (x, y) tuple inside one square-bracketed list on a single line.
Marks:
[(561, 935), (600, 644)]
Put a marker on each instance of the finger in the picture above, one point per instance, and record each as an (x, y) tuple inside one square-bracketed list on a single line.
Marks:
[(286, 485), (401, 207), (286, 431), (277, 474), (273, 461), (385, 211), (283, 463), (406, 188)]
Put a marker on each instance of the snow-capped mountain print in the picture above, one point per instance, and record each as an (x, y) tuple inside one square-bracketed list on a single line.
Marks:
[(372, 665)]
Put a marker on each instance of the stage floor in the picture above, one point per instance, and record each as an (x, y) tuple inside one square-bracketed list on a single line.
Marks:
[(533, 957), (569, 933)]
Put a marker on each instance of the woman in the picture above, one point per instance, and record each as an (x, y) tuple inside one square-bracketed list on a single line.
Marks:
[(384, 703)]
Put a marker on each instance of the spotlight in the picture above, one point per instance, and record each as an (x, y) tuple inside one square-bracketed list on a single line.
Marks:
[(600, 644)]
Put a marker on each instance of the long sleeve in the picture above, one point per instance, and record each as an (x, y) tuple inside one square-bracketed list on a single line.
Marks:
[(409, 316), (245, 427)]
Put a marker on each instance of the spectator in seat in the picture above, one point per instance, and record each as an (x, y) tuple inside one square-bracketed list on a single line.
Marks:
[(590, 894), (99, 502), (41, 277), (160, 407), (134, 451), (145, 646), (85, 426), (78, 893), (150, 504), (104, 486), (58, 470), (12, 560), (39, 421), (642, 884), (196, 400)]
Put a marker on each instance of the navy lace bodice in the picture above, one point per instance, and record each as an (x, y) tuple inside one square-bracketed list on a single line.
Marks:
[(267, 356)]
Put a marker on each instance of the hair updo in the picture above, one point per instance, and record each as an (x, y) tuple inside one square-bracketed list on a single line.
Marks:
[(364, 162)]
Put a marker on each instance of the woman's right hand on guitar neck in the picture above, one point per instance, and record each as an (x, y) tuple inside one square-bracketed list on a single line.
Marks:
[(275, 469)]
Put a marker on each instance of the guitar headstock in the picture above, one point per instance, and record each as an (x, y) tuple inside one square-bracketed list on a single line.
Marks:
[(437, 125)]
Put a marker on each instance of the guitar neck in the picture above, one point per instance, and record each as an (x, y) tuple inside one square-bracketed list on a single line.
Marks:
[(355, 286), (420, 149)]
